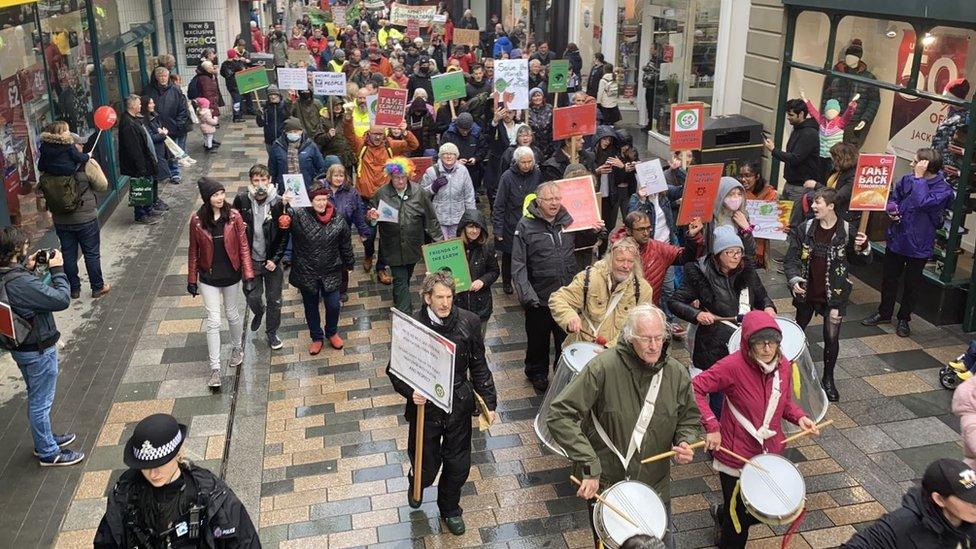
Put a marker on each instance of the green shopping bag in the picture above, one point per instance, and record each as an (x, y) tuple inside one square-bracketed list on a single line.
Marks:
[(140, 191)]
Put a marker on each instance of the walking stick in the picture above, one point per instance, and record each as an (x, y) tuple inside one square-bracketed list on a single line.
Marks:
[(609, 505), (418, 455)]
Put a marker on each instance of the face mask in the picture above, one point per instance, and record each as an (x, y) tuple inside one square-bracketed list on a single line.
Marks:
[(293, 137), (261, 193), (732, 203), (851, 60)]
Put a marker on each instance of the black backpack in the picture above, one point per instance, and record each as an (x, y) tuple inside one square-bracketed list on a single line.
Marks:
[(22, 327), (193, 88)]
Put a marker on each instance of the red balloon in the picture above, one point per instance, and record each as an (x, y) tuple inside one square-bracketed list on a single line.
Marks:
[(105, 117)]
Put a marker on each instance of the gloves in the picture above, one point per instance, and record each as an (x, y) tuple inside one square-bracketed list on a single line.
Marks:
[(248, 286), (438, 184), (192, 289)]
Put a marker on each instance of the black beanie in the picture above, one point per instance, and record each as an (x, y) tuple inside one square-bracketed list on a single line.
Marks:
[(209, 187), (855, 48)]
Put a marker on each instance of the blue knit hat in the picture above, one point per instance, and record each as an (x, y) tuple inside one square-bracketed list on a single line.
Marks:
[(725, 237)]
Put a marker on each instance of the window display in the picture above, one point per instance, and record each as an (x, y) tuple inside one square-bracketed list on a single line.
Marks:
[(628, 53)]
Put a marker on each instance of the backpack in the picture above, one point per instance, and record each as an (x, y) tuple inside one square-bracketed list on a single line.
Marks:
[(193, 88), (60, 193), (22, 327), (479, 106)]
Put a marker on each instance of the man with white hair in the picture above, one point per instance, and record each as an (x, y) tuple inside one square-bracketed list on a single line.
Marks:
[(520, 179), (630, 402)]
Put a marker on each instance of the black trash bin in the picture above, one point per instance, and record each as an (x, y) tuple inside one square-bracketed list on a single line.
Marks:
[(730, 140)]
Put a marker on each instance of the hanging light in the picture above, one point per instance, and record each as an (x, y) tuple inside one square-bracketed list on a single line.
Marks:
[(928, 39)]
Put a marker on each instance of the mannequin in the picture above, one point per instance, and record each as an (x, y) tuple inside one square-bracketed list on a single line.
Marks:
[(956, 117), (843, 91)]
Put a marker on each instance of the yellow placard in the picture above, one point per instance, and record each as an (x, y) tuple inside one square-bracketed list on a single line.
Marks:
[(9, 3)]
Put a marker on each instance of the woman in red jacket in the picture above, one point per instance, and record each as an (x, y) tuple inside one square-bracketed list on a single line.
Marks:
[(218, 259), (757, 385)]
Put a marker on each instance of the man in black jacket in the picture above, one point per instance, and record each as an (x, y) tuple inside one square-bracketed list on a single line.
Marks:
[(802, 155), (447, 437), (172, 110), (939, 514), (137, 156)]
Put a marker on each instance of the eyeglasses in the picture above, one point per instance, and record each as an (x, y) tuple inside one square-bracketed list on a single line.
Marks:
[(732, 253), (649, 339), (646, 229), (764, 343)]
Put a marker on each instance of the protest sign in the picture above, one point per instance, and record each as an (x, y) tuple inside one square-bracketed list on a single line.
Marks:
[(872, 182), (391, 104), (423, 359), (579, 199), (686, 126), (295, 184), (296, 56), (448, 86), (373, 5), (420, 165), (339, 15), (766, 217), (449, 255), (292, 79), (400, 14), (701, 187), (650, 176), (511, 84), (7, 325), (413, 29), (574, 120), (253, 79), (467, 37), (329, 83), (558, 75), (388, 214)]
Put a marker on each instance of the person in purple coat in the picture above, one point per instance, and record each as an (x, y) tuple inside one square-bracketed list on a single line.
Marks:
[(347, 203), (916, 206)]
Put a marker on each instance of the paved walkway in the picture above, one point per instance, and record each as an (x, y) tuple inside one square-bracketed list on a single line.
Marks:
[(316, 445)]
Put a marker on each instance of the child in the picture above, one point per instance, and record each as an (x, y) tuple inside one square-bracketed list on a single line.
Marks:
[(482, 263), (58, 153), (831, 127), (966, 363), (208, 123), (964, 406)]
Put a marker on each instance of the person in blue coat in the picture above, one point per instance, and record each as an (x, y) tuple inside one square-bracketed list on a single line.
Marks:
[(502, 45), (309, 159)]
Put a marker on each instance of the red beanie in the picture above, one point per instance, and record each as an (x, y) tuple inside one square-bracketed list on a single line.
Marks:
[(958, 88), (318, 189)]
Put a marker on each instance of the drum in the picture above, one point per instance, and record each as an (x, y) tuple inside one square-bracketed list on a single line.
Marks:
[(812, 398), (775, 496), (574, 358), (641, 504)]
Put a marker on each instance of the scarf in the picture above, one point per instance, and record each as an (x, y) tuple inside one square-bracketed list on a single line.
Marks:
[(293, 149), (326, 216)]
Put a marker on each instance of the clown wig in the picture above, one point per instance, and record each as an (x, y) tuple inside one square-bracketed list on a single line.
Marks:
[(398, 166)]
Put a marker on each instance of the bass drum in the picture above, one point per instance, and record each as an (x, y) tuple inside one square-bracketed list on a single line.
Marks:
[(574, 358), (812, 397)]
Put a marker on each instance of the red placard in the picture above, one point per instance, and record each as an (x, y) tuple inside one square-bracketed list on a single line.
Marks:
[(574, 120), (7, 321), (579, 199), (701, 187), (420, 165), (391, 103), (413, 28), (687, 121), (872, 182)]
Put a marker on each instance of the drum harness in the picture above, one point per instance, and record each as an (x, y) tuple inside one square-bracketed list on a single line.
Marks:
[(614, 301)]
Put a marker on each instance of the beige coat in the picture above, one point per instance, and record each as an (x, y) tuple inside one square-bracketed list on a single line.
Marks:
[(566, 303)]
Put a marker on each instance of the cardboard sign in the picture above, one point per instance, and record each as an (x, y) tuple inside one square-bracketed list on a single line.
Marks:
[(511, 83), (872, 182), (687, 123), (391, 104), (574, 120), (449, 255), (296, 56), (250, 80), (295, 184), (558, 75), (413, 29), (423, 359), (329, 83), (292, 79), (650, 176), (420, 165), (449, 86), (701, 187), (767, 219), (467, 37), (579, 199)]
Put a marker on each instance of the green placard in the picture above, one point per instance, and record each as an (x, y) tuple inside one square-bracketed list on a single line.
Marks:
[(558, 75), (249, 80), (140, 191), (449, 255), (449, 86)]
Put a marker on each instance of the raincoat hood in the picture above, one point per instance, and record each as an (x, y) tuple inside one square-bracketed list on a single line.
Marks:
[(725, 186), (472, 216), (752, 323)]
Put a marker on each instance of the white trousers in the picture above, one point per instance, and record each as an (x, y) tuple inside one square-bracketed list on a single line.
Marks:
[(232, 297)]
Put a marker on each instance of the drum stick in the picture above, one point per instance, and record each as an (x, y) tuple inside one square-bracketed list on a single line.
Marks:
[(599, 340), (802, 434), (609, 505), (741, 458), (672, 453)]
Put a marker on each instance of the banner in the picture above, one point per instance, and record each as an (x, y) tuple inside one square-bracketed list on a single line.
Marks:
[(449, 255), (767, 218), (467, 37), (401, 13), (253, 79), (329, 83), (579, 199), (448, 86), (391, 104), (872, 182), (574, 120), (701, 187), (650, 176), (511, 84), (198, 36), (558, 75), (686, 126), (423, 359), (292, 79)]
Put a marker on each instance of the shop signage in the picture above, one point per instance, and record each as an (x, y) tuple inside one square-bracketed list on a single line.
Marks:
[(391, 104), (574, 120), (198, 36), (701, 187), (558, 75), (686, 126), (579, 199), (449, 86), (423, 359), (253, 79), (872, 182), (449, 255)]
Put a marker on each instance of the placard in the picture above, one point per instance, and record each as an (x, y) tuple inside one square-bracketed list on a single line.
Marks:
[(558, 75), (650, 176), (388, 214), (579, 199), (296, 56), (250, 80), (292, 79), (7, 325), (401, 13), (872, 182), (701, 187), (686, 126), (767, 219), (339, 15), (449, 255), (391, 104), (423, 359), (511, 84), (467, 37), (413, 29), (573, 120), (371, 101), (329, 83), (420, 165), (198, 36), (295, 184), (449, 86)]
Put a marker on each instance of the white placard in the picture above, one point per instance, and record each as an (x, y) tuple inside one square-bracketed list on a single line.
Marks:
[(767, 219), (650, 175), (388, 213), (515, 74), (295, 184), (371, 107), (439, 18), (329, 83), (292, 79), (423, 359)]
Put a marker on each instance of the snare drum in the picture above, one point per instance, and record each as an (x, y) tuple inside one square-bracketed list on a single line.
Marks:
[(572, 361), (641, 504), (775, 496)]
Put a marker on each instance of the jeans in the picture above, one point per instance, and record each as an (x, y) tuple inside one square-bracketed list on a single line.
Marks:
[(87, 236), (40, 371), (267, 282), (310, 299), (232, 309), (143, 211), (894, 266), (174, 165), (793, 192), (401, 287), (235, 99), (540, 328), (667, 288)]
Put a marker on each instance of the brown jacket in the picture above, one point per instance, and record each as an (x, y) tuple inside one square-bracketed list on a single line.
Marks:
[(370, 175), (200, 255)]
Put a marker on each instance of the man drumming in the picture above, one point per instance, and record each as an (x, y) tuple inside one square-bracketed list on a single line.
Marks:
[(630, 402)]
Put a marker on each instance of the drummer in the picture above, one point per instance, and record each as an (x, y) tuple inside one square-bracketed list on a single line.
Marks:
[(605, 418), (595, 304), (757, 385)]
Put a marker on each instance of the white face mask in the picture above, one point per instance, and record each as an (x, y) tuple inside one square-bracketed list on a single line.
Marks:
[(851, 60), (733, 203), (293, 136)]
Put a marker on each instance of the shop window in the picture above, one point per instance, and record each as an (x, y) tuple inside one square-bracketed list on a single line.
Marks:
[(627, 63), (867, 47), (812, 34)]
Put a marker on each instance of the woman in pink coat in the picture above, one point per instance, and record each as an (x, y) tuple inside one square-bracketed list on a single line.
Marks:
[(757, 384), (964, 406)]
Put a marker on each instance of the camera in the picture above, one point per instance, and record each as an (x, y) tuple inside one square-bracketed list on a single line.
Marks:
[(43, 256)]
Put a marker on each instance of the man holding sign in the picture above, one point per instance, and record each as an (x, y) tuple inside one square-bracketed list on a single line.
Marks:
[(440, 439)]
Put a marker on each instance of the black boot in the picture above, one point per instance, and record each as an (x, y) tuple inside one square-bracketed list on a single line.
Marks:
[(828, 386)]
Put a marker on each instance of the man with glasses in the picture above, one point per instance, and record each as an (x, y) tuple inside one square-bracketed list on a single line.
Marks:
[(605, 418)]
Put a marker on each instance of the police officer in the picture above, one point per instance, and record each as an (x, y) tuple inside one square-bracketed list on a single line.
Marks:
[(164, 501)]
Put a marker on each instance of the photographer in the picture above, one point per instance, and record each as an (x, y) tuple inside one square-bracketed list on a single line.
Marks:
[(36, 353)]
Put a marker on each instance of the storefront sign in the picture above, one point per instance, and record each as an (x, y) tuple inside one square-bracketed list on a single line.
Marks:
[(467, 37), (449, 255), (252, 79), (449, 86), (872, 182), (391, 104), (701, 187), (686, 126), (401, 13), (558, 75), (198, 36), (292, 79), (511, 84), (329, 83), (767, 218), (423, 359), (573, 120), (579, 199)]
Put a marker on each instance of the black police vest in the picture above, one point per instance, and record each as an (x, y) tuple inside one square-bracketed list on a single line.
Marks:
[(187, 529)]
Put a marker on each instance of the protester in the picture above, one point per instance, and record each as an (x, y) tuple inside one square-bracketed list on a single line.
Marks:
[(964, 407), (729, 210), (174, 114), (555, 166), (420, 78), (272, 118), (801, 157), (844, 158), (294, 152), (467, 136), (228, 69), (137, 156), (421, 124), (482, 265), (956, 117), (524, 137), (349, 205), (540, 119), (610, 171), (207, 87), (308, 111), (756, 188), (515, 184), (278, 48), (596, 74), (451, 190)]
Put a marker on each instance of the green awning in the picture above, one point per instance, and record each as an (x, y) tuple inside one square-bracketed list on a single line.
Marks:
[(951, 12)]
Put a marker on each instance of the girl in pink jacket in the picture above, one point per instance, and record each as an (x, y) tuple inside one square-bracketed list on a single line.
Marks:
[(757, 384), (964, 406), (208, 122)]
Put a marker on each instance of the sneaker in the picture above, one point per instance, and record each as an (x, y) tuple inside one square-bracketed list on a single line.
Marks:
[(541, 383), (236, 357), (874, 320), (62, 459), (902, 329), (61, 441), (161, 206), (343, 298), (957, 365), (214, 382), (149, 219), (678, 330), (274, 342), (176, 180), (336, 341), (106, 288), (75, 294), (315, 347), (256, 321), (455, 525), (384, 277)]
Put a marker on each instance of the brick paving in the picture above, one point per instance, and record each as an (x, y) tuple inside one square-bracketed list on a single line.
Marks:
[(330, 471)]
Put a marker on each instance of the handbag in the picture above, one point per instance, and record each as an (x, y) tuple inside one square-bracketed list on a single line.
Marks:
[(96, 176)]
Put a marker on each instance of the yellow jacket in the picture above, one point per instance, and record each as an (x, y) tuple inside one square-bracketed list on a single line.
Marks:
[(385, 35)]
